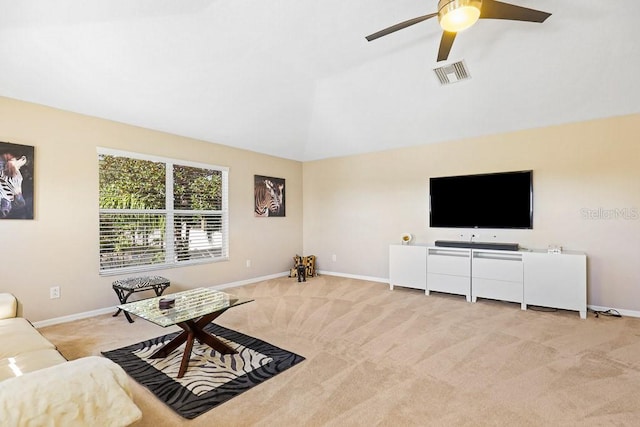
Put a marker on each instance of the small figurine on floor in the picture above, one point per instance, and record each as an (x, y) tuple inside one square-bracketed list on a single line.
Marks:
[(302, 275)]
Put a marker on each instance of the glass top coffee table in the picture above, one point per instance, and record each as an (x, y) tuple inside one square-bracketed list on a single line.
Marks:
[(192, 311)]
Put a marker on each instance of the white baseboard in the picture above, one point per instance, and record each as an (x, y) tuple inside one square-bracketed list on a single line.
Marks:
[(623, 312), (249, 281), (72, 317), (354, 276), (112, 309)]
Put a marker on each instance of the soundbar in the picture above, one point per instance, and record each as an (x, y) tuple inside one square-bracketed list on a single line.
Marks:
[(478, 245)]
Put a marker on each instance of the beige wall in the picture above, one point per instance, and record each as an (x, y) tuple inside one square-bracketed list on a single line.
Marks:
[(354, 207), (60, 246)]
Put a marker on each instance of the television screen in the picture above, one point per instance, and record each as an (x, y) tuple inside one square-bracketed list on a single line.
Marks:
[(496, 200)]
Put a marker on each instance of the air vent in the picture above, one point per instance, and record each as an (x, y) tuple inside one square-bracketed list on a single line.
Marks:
[(452, 73)]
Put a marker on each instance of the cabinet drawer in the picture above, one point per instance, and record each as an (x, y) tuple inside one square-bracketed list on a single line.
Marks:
[(497, 289), (452, 262), (450, 284), (506, 267)]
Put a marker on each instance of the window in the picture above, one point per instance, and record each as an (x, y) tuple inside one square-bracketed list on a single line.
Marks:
[(158, 213)]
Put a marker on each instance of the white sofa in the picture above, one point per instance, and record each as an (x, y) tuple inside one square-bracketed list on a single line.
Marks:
[(39, 387)]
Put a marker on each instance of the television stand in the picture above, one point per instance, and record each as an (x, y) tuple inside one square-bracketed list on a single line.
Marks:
[(528, 277)]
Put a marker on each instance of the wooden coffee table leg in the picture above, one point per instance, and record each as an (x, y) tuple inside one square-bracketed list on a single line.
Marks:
[(170, 346), (186, 355), (193, 330), (213, 342)]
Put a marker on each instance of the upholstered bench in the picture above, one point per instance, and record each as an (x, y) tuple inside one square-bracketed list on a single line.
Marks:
[(124, 288)]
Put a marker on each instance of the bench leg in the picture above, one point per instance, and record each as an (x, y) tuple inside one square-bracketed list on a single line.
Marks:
[(123, 297), (127, 315), (159, 289)]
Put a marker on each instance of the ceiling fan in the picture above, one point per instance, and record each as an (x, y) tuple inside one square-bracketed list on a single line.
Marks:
[(458, 15)]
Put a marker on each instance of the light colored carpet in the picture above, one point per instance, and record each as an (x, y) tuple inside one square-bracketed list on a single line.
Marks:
[(381, 357)]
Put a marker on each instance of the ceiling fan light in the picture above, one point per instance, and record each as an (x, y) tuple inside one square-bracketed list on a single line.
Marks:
[(458, 15)]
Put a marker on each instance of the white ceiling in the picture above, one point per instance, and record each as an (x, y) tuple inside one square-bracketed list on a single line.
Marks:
[(297, 79)]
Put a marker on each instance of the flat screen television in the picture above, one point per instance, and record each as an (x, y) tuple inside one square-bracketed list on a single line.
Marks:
[(494, 200)]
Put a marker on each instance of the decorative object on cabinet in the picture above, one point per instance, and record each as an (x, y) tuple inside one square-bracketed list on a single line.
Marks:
[(406, 238), (553, 249)]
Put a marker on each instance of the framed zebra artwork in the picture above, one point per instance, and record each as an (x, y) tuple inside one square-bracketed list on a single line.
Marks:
[(268, 196), (16, 181)]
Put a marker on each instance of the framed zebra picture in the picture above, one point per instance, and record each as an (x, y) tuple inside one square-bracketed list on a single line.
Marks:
[(268, 196), (16, 181)]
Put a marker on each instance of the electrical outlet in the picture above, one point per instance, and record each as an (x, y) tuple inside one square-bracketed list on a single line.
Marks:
[(54, 292), (334, 258), (248, 263)]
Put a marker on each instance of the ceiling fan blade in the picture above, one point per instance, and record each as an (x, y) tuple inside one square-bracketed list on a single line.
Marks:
[(445, 45), (399, 26), (492, 9)]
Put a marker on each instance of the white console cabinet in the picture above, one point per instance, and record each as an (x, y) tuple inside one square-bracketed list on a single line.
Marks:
[(556, 280), (408, 266), (526, 277)]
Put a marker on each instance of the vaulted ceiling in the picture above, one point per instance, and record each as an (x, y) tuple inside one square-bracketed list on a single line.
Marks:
[(297, 79)]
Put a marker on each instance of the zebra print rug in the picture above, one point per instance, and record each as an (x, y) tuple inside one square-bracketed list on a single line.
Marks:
[(212, 378)]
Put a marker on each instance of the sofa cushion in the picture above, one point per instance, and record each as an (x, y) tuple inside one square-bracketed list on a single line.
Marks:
[(91, 391), (27, 362), (18, 336)]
